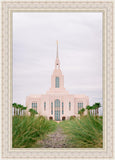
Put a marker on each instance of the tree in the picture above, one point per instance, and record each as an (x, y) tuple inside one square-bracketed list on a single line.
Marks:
[(88, 108), (20, 108), (81, 112), (97, 106), (33, 112), (91, 107), (94, 108), (15, 106), (24, 108)]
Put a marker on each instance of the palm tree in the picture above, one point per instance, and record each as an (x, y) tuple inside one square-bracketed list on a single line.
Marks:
[(91, 107), (33, 112), (20, 108), (24, 108), (98, 105), (15, 106), (81, 112), (88, 108), (94, 109)]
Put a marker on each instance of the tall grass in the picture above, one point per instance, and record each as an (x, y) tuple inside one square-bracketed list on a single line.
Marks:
[(86, 132), (27, 129)]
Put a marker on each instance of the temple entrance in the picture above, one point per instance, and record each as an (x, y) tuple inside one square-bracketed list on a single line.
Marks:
[(57, 110), (63, 118), (50, 118)]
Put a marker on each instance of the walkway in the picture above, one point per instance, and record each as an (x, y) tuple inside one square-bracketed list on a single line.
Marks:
[(56, 139)]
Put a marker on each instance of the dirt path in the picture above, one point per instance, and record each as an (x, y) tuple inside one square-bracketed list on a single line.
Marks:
[(55, 139)]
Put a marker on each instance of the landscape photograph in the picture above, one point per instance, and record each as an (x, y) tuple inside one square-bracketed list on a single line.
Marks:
[(57, 80)]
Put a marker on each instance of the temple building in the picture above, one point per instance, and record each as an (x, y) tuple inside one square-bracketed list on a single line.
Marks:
[(57, 103)]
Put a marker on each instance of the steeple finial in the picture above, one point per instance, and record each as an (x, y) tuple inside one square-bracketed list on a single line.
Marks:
[(57, 48)]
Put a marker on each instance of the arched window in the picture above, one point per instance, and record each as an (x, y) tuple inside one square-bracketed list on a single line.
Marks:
[(69, 106), (34, 106), (44, 106), (57, 82), (57, 110), (62, 108), (51, 107), (80, 106), (57, 103)]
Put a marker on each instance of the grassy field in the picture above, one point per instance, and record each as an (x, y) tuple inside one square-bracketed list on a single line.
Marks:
[(27, 130), (86, 132)]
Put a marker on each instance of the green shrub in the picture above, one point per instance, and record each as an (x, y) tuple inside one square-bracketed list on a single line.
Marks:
[(33, 112), (86, 132), (27, 129), (72, 117)]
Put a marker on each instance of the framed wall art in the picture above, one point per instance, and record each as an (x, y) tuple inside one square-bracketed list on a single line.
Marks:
[(57, 79)]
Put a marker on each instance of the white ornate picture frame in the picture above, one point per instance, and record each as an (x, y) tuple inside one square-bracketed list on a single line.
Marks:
[(8, 8)]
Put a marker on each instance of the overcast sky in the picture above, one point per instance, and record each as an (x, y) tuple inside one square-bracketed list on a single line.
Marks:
[(34, 51)]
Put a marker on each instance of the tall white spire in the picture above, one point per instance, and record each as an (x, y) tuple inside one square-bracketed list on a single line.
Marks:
[(57, 63), (57, 48)]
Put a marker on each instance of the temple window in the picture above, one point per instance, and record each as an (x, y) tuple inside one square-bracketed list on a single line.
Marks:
[(52, 108), (34, 106), (44, 106), (57, 82), (62, 108), (80, 106), (69, 106)]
